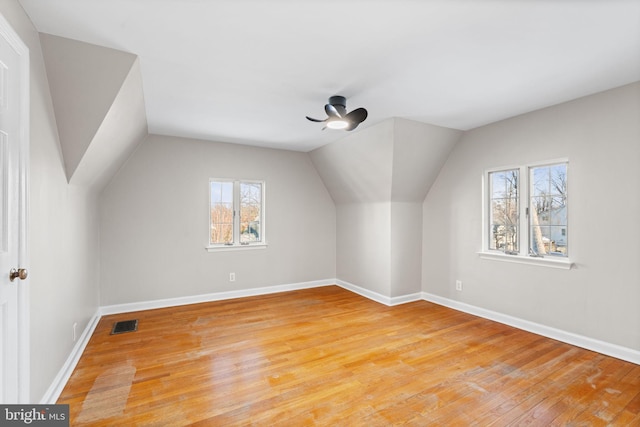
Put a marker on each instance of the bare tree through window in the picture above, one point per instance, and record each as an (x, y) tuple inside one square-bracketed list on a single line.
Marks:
[(250, 206), (548, 210), (221, 212), (504, 207), (236, 212)]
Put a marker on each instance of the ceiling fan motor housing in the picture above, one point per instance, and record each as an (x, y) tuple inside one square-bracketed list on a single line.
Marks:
[(340, 104), (338, 100)]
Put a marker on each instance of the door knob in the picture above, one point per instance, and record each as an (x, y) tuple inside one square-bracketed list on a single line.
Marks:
[(20, 273)]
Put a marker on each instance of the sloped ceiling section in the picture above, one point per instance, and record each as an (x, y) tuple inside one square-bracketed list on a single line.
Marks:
[(98, 104), (396, 160), (358, 167), (419, 152)]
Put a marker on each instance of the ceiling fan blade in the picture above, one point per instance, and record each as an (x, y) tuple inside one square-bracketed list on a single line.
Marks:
[(315, 120), (332, 111), (357, 116), (352, 126)]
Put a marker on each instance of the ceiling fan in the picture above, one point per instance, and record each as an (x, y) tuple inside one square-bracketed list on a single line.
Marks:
[(337, 116)]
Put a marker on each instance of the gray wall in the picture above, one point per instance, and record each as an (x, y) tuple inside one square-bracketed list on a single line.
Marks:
[(600, 135), (378, 179), (364, 245), (154, 222), (63, 238), (406, 248)]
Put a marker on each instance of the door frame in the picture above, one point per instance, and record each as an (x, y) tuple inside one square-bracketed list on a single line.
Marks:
[(24, 360)]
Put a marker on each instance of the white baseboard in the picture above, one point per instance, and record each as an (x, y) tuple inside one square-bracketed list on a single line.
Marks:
[(364, 292), (382, 299), (53, 392), (217, 296), (403, 299), (613, 350)]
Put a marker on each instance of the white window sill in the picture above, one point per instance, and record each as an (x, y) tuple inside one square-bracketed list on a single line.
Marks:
[(549, 261), (223, 248)]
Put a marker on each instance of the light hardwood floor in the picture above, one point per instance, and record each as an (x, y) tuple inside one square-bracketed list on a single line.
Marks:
[(326, 356)]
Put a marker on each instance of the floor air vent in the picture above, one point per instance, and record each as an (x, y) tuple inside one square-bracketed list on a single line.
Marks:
[(124, 326)]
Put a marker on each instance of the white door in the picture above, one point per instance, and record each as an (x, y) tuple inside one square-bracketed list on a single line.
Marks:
[(13, 139)]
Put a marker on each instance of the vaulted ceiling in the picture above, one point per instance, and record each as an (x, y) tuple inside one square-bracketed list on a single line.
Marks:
[(248, 71)]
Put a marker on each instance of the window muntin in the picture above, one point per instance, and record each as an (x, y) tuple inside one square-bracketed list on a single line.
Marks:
[(541, 213), (236, 213)]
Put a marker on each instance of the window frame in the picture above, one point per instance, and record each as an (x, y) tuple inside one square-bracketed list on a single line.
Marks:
[(236, 243), (522, 256)]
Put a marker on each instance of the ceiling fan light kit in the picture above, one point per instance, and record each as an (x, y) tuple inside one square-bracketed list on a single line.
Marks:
[(337, 116), (337, 124)]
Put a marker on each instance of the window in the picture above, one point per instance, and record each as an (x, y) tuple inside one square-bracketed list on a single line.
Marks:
[(526, 211), (236, 213), (504, 213), (548, 210)]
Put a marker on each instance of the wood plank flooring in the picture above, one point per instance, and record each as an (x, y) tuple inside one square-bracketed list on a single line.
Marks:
[(328, 357)]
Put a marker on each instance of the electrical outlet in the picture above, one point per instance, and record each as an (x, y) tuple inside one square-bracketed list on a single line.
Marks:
[(74, 334), (458, 285), (232, 277)]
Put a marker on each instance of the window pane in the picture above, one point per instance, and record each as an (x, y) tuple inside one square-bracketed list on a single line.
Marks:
[(540, 239), (549, 180), (558, 180), (504, 238), (548, 218), (549, 240), (558, 237), (221, 192), (540, 182), (221, 233), (221, 211), (504, 211), (539, 210), (497, 184), (504, 184), (250, 212), (558, 214)]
